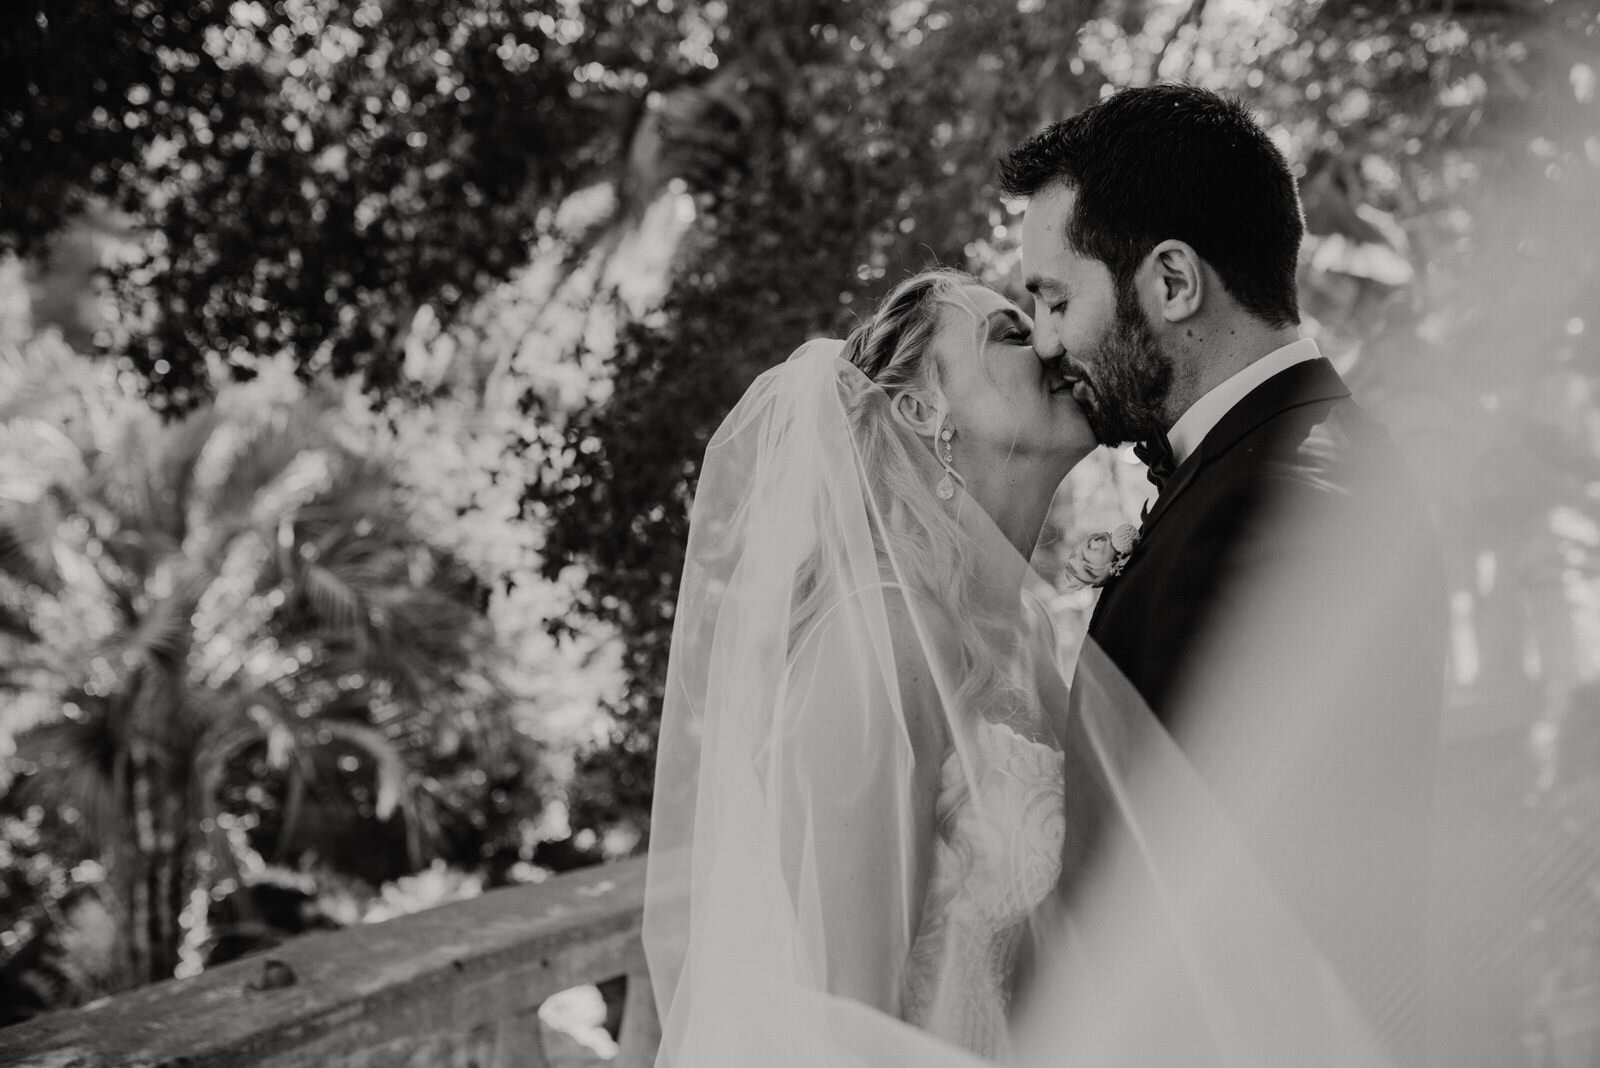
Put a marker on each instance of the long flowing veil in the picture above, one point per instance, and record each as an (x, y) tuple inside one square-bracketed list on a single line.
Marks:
[(842, 636), (840, 632), (1181, 949)]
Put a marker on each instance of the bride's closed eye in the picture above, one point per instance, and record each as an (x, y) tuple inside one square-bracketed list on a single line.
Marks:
[(1008, 328)]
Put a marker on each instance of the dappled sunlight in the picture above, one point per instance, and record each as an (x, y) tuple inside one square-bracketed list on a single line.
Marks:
[(357, 363)]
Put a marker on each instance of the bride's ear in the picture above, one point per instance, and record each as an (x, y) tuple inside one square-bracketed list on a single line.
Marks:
[(915, 410)]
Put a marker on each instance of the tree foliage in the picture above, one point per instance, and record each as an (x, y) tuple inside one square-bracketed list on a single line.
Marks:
[(230, 643), (303, 175), (329, 183)]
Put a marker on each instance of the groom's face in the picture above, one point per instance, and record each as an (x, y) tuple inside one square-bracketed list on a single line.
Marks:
[(1100, 339)]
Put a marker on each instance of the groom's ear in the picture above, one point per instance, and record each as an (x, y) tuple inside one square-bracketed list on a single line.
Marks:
[(1179, 280)]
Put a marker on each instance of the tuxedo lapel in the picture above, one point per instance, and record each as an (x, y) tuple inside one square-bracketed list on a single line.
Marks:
[(1304, 383)]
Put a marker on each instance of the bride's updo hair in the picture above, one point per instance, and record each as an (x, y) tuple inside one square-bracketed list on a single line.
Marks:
[(890, 347)]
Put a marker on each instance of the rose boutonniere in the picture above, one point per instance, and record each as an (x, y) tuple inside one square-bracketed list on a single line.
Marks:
[(1100, 557)]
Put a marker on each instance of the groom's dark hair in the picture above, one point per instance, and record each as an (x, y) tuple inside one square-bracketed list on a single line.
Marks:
[(1178, 162)]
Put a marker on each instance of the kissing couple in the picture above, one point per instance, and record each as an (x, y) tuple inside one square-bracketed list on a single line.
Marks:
[(892, 826)]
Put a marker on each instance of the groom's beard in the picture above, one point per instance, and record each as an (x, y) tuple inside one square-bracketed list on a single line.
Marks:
[(1129, 379)]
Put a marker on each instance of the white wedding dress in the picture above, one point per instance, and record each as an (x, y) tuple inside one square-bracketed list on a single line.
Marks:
[(994, 865)]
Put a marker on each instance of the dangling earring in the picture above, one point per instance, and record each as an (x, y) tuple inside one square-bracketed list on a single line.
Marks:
[(946, 455)]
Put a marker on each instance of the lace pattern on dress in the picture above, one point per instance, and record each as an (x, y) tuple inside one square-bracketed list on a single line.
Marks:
[(997, 860)]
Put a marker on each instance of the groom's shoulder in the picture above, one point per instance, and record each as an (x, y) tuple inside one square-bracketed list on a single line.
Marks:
[(1313, 467), (1333, 443)]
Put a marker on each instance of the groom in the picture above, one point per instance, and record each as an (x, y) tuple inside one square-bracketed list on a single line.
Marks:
[(1286, 582)]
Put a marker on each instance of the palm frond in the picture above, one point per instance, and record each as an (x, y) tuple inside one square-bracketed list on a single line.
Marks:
[(389, 762), (336, 602), (34, 378), (252, 483), (174, 470), (21, 560), (74, 765), (163, 634), (119, 483), (238, 720), (15, 623)]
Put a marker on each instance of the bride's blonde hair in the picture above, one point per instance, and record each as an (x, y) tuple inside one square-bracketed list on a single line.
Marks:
[(890, 347), (922, 547)]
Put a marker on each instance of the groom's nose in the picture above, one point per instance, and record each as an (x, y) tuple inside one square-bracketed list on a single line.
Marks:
[(1045, 342)]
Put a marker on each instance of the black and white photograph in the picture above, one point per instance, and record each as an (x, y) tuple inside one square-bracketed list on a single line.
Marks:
[(800, 533)]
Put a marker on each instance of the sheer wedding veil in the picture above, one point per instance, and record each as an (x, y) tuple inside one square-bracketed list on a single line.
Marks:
[(840, 632)]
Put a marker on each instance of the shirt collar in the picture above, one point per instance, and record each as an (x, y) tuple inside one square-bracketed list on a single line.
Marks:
[(1204, 414)]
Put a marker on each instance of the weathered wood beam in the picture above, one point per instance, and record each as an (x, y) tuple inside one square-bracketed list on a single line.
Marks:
[(429, 985)]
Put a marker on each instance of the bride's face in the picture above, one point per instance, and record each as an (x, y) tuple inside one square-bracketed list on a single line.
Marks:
[(1002, 398)]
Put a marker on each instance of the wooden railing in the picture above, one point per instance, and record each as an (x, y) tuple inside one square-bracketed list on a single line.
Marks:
[(451, 987), (461, 986)]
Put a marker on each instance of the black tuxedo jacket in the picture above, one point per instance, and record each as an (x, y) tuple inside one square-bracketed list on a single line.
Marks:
[(1288, 579)]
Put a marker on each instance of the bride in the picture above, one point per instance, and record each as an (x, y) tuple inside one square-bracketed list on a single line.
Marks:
[(859, 797)]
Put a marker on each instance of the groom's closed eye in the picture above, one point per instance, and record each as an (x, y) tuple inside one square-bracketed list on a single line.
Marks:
[(1048, 293)]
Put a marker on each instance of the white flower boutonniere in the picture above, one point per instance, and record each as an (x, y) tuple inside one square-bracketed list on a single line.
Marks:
[(1100, 557)]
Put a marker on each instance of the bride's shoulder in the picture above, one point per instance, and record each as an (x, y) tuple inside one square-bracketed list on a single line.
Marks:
[(907, 632)]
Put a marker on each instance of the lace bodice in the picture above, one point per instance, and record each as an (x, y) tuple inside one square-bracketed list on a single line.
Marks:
[(998, 857)]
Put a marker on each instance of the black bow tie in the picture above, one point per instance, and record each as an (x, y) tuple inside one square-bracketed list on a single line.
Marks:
[(1156, 454)]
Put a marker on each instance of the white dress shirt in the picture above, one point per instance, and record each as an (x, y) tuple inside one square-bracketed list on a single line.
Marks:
[(1193, 426)]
